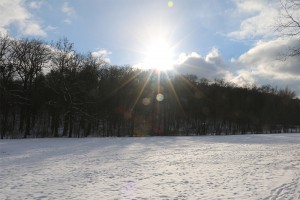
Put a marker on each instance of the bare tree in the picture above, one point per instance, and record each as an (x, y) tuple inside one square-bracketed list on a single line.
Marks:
[(6, 68), (7, 71), (289, 23), (62, 80), (29, 58)]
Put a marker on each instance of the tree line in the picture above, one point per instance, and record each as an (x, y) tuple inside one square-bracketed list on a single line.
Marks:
[(50, 90)]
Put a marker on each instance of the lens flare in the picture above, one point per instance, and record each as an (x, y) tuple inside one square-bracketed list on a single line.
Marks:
[(159, 97), (146, 101), (170, 4)]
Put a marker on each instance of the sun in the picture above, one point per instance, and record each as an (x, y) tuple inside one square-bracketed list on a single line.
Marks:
[(158, 55)]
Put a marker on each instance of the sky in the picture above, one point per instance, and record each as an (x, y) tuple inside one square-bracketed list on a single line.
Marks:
[(234, 40)]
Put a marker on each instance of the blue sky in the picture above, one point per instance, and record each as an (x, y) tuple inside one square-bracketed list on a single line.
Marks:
[(229, 39)]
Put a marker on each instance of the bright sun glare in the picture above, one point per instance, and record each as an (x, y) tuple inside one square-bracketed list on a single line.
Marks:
[(158, 55)]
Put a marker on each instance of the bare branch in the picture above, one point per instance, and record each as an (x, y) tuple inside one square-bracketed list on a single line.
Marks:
[(289, 23)]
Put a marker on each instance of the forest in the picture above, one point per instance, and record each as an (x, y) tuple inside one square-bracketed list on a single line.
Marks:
[(50, 90)]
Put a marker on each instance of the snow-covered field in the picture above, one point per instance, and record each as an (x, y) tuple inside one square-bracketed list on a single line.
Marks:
[(208, 167)]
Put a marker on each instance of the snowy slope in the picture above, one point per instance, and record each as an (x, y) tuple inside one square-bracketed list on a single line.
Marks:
[(208, 167)]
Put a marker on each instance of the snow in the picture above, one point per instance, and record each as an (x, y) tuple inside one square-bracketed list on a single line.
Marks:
[(207, 167)]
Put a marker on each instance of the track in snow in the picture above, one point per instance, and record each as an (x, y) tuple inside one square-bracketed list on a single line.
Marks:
[(208, 167)]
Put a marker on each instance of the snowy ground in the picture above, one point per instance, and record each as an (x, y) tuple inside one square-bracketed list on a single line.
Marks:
[(208, 167)]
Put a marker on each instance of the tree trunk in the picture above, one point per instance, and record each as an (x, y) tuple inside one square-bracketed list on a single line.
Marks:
[(4, 123), (71, 125), (66, 125), (28, 123)]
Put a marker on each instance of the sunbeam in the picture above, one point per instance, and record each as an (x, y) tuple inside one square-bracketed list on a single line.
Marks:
[(141, 91), (174, 93)]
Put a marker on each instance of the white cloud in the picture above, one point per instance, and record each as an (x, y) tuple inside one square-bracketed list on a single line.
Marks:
[(67, 9), (35, 4), (210, 66), (51, 28), (267, 63), (15, 12), (183, 57), (267, 58), (29, 28), (258, 18), (249, 5), (103, 54), (67, 21)]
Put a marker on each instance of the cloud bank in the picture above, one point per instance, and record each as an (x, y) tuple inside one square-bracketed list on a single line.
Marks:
[(14, 12), (263, 64), (268, 63), (211, 66)]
